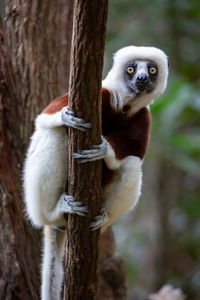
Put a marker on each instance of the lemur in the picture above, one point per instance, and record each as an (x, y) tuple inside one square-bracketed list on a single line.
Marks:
[(138, 76)]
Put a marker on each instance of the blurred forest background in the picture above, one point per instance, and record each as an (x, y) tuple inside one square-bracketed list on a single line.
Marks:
[(160, 240)]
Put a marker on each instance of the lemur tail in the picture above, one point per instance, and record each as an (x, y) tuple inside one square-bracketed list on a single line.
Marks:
[(52, 264)]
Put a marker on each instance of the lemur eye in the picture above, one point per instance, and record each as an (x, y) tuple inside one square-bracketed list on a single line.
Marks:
[(153, 70), (130, 70)]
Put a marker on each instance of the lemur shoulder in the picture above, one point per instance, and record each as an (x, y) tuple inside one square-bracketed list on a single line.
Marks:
[(137, 77)]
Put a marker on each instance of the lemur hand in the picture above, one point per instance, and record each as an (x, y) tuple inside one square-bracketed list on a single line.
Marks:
[(67, 204), (99, 220), (94, 152), (69, 119)]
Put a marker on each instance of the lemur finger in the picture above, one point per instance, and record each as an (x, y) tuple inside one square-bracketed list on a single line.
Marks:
[(80, 208), (81, 122), (68, 205), (72, 114), (68, 198), (80, 213), (76, 126), (75, 203), (68, 111), (69, 118), (90, 155), (95, 148), (102, 146), (82, 158), (80, 126), (95, 225), (99, 220), (95, 152), (87, 153), (77, 208)]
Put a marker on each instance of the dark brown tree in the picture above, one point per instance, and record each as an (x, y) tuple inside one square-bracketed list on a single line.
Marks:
[(34, 50), (85, 180)]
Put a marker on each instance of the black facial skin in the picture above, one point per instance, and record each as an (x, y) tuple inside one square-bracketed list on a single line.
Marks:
[(138, 82)]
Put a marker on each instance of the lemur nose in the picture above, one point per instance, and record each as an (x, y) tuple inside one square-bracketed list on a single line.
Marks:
[(142, 78)]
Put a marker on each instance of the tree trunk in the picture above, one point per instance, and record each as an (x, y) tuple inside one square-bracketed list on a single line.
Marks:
[(33, 71), (85, 181), (112, 280)]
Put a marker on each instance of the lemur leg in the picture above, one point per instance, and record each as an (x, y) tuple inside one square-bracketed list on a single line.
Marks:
[(54, 239), (52, 266), (125, 191), (54, 242), (120, 196), (127, 183)]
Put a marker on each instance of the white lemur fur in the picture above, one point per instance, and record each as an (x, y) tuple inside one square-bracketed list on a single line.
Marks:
[(127, 90)]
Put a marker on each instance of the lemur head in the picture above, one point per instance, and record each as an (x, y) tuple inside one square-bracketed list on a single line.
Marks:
[(137, 77)]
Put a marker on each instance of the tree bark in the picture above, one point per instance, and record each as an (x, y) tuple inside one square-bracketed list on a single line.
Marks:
[(85, 181), (112, 280), (33, 71)]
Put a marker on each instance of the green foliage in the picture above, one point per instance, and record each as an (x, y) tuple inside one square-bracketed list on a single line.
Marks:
[(176, 125), (174, 26)]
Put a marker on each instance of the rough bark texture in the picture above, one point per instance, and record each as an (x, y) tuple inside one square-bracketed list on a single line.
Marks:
[(38, 40), (89, 27), (112, 280), (33, 71)]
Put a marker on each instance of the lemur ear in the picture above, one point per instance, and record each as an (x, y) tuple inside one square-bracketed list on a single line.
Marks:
[(113, 58)]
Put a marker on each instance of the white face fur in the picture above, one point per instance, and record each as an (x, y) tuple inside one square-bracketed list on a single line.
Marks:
[(138, 76)]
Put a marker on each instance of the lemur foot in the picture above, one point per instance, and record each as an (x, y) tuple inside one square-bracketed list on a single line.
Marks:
[(94, 153), (69, 119), (68, 205), (99, 220)]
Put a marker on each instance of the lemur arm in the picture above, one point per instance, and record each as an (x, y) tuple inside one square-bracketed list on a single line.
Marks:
[(58, 114)]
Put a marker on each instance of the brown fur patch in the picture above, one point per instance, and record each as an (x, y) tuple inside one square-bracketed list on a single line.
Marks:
[(56, 105), (127, 136)]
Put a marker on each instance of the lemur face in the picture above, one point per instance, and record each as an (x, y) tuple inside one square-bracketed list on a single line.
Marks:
[(140, 76)]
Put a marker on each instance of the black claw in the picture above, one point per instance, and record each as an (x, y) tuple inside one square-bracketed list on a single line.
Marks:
[(81, 161), (71, 113), (89, 125)]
